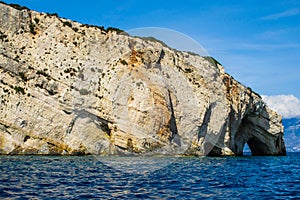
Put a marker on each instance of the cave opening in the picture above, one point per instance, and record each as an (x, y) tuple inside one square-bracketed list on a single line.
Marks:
[(257, 147), (246, 150)]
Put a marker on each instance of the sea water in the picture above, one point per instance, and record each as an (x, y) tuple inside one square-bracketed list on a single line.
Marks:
[(113, 177)]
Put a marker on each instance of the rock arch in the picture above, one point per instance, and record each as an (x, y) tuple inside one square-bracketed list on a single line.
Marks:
[(263, 135)]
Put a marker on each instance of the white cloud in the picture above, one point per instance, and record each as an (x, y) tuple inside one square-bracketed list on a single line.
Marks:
[(287, 105), (286, 13)]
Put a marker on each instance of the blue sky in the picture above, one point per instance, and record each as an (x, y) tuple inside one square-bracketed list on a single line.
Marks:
[(257, 41)]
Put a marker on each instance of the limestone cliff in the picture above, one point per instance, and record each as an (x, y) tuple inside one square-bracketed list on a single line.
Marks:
[(68, 88)]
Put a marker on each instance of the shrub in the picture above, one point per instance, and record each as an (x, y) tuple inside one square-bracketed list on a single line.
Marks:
[(84, 92), (52, 14), (66, 23), (188, 70), (83, 32), (18, 7), (95, 26), (36, 20), (23, 76), (2, 36), (114, 30), (19, 89), (212, 60), (31, 27), (153, 39), (41, 72), (123, 62)]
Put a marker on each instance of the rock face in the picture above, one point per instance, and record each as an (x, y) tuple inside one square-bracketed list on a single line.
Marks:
[(68, 88)]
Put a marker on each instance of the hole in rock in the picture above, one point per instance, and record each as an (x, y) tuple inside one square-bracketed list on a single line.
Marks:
[(257, 147), (246, 150)]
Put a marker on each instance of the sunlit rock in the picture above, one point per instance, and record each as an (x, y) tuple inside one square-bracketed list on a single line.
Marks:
[(73, 89)]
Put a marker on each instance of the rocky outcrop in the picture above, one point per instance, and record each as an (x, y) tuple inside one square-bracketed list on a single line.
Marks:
[(68, 88)]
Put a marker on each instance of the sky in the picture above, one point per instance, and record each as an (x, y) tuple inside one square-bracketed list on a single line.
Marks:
[(258, 42)]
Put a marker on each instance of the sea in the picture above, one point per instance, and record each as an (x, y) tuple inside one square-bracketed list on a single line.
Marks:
[(119, 177)]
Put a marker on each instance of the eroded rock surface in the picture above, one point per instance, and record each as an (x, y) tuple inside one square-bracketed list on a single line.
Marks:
[(68, 88)]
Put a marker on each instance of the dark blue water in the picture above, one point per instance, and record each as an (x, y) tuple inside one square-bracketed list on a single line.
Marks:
[(43, 177)]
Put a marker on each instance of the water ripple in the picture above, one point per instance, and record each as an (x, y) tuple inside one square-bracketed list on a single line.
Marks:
[(40, 177)]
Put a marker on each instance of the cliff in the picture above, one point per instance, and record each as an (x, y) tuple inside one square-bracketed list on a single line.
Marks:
[(73, 89)]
